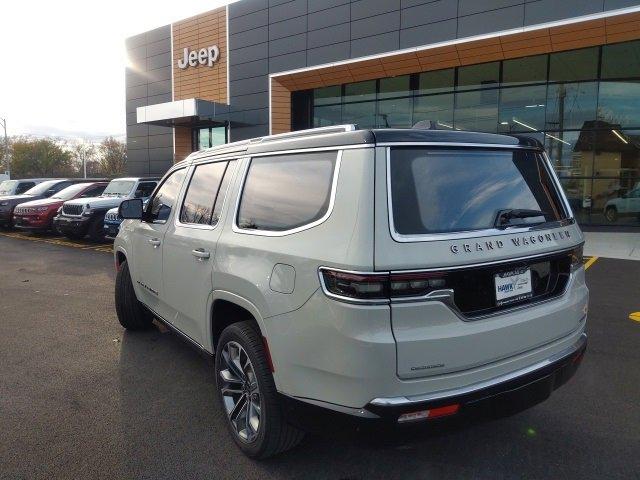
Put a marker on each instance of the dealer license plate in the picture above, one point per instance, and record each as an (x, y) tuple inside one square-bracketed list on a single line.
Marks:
[(513, 286)]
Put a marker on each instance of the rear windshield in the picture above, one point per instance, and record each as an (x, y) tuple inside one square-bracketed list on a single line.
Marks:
[(440, 191)]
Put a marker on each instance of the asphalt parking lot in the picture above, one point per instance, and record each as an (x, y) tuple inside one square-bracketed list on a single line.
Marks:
[(82, 398)]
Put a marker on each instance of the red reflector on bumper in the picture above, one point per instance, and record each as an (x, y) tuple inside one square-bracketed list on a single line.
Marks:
[(429, 414)]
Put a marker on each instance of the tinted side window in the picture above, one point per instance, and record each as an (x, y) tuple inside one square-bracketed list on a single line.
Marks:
[(286, 191), (93, 191), (217, 207), (57, 187), (23, 187), (145, 189), (202, 192), (164, 199)]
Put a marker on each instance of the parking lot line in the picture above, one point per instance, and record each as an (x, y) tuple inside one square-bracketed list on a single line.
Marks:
[(590, 261), (62, 241), (635, 316)]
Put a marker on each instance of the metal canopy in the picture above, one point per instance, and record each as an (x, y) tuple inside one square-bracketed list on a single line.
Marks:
[(188, 112)]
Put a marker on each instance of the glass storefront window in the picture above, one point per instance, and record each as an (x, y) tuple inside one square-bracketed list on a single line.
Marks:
[(525, 70), (363, 114), (621, 60), (438, 108), (327, 95), (616, 201), (584, 105), (619, 103), (395, 113), (522, 109), (204, 139), (360, 91), (395, 87), (617, 154), (571, 105), (477, 110), (209, 137), (436, 81), (578, 192), (327, 115), (484, 75), (571, 153), (574, 65)]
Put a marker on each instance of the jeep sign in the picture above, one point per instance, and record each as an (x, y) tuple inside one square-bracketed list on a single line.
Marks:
[(204, 56)]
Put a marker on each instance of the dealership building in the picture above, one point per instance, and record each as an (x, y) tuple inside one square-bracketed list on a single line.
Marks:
[(566, 72)]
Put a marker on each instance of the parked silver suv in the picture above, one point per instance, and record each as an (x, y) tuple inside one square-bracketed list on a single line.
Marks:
[(392, 276)]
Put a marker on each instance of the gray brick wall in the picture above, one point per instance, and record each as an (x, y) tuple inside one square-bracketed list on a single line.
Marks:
[(147, 82)]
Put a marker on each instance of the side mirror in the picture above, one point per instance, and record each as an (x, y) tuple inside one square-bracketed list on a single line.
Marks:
[(131, 209)]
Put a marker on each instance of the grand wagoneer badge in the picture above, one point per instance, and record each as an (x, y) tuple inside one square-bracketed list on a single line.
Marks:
[(519, 241)]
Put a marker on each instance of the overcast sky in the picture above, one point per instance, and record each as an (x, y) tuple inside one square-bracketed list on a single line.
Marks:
[(62, 69)]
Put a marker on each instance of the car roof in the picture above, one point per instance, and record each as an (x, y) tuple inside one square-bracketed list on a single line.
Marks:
[(347, 135)]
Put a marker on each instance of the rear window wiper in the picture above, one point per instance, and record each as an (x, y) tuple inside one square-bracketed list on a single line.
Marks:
[(504, 216)]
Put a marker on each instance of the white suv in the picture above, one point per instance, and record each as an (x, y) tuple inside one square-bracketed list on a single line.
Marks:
[(391, 276)]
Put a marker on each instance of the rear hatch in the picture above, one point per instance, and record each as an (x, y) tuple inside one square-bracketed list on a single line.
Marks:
[(476, 239)]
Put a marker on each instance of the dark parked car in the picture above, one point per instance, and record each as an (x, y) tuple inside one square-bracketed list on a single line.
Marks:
[(42, 190), (17, 187), (37, 215)]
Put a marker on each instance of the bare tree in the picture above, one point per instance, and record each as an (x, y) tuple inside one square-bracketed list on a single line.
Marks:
[(85, 154), (113, 157)]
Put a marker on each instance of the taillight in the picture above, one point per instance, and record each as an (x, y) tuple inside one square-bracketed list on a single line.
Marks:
[(356, 286), (415, 284), (376, 287), (577, 257)]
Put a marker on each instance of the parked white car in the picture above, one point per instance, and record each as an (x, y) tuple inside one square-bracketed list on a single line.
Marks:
[(382, 276), (626, 205)]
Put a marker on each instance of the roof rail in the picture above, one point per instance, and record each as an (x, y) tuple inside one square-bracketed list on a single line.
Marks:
[(307, 133)]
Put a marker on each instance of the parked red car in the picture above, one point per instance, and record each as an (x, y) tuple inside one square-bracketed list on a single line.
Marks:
[(38, 214)]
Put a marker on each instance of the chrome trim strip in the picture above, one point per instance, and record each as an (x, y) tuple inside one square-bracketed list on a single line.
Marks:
[(454, 392), (488, 232), (355, 301), (358, 412), (491, 146), (208, 227), (269, 233), (175, 329)]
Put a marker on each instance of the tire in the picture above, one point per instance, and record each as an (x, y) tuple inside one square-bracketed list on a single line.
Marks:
[(96, 230), (273, 434), (611, 214), (132, 315)]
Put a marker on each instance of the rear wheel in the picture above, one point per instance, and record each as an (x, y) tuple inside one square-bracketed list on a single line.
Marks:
[(611, 214), (248, 394), (132, 315)]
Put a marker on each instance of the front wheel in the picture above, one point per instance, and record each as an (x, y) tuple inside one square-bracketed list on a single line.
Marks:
[(248, 394), (132, 315)]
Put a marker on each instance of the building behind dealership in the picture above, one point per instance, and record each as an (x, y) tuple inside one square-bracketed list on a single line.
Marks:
[(567, 73)]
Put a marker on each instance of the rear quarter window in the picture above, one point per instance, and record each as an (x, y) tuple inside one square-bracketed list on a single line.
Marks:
[(285, 192)]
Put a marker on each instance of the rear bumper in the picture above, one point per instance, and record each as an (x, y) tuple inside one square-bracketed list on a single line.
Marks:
[(516, 390), (500, 397)]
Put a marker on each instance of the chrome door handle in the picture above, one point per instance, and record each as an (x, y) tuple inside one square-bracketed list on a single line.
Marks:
[(200, 254), (155, 242)]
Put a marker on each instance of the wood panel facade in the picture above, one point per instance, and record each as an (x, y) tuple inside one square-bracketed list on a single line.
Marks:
[(202, 81)]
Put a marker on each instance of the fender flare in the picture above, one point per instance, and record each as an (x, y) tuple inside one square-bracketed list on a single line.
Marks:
[(238, 300)]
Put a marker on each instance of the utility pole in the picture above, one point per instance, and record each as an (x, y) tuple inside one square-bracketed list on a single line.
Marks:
[(5, 155)]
